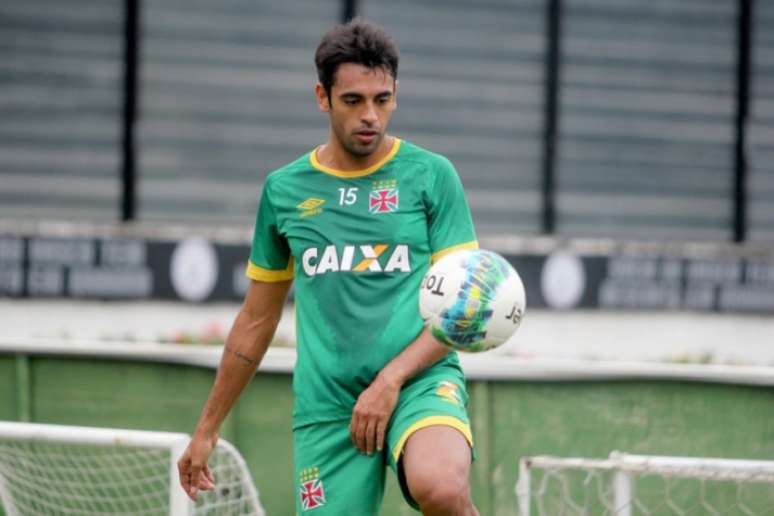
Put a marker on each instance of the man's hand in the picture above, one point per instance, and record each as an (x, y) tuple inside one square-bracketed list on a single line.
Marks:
[(375, 404), (193, 469), (372, 413)]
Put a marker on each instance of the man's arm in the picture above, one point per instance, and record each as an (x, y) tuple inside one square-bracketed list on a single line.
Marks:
[(375, 404), (246, 344)]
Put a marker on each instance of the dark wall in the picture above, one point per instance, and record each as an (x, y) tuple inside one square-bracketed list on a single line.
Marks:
[(60, 103), (574, 117)]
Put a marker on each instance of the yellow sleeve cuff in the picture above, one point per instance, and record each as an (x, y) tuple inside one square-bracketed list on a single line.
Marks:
[(473, 244), (260, 274)]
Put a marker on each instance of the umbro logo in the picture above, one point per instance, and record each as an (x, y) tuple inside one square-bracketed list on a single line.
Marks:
[(449, 391), (310, 207)]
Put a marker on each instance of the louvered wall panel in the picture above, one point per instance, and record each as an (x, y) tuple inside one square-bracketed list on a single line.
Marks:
[(471, 88), (227, 96), (647, 112), (761, 128), (60, 103)]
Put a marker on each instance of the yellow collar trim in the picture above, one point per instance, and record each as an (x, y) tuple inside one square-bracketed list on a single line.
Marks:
[(354, 173)]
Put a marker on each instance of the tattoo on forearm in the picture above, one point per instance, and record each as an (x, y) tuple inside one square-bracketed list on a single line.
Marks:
[(244, 358)]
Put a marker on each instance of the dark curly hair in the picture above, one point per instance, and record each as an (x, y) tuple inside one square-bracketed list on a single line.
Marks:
[(359, 42)]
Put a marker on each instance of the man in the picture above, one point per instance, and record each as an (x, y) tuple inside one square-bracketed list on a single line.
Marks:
[(356, 222)]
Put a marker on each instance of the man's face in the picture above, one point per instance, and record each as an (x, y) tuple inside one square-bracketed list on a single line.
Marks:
[(363, 100)]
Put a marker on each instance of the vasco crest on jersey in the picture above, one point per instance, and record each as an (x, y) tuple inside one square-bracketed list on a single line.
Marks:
[(384, 196), (311, 491)]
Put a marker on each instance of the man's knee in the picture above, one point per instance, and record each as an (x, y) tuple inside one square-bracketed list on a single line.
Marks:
[(441, 493), (436, 465)]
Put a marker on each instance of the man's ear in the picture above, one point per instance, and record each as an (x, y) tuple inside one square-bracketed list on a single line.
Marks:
[(395, 93), (323, 101)]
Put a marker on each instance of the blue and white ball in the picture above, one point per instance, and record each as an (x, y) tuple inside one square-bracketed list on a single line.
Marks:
[(472, 300)]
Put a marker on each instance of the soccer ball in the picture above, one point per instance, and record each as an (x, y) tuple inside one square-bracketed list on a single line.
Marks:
[(472, 300)]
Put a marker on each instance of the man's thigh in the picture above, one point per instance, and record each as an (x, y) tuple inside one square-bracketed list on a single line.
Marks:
[(332, 477), (437, 454), (439, 400)]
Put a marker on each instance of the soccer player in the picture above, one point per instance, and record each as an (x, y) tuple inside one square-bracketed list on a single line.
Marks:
[(355, 223)]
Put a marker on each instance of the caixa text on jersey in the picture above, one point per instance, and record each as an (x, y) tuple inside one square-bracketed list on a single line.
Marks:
[(356, 258)]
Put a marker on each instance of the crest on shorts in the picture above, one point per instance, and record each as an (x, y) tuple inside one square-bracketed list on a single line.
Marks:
[(449, 392), (383, 197), (311, 491)]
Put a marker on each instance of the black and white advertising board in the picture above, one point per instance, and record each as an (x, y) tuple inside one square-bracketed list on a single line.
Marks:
[(201, 270)]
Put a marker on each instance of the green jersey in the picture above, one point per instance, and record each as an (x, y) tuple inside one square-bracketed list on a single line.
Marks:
[(357, 245)]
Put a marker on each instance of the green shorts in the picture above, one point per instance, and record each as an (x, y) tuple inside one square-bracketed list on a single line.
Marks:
[(333, 477)]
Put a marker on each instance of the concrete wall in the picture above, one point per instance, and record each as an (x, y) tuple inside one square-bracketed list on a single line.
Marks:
[(575, 334)]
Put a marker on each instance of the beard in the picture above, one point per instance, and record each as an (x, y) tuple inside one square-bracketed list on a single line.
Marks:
[(358, 149)]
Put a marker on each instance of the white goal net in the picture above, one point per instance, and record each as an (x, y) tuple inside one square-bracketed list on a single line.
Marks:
[(640, 485), (66, 470)]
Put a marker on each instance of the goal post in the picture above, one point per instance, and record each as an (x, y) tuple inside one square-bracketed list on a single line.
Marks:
[(634, 485), (55, 469)]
